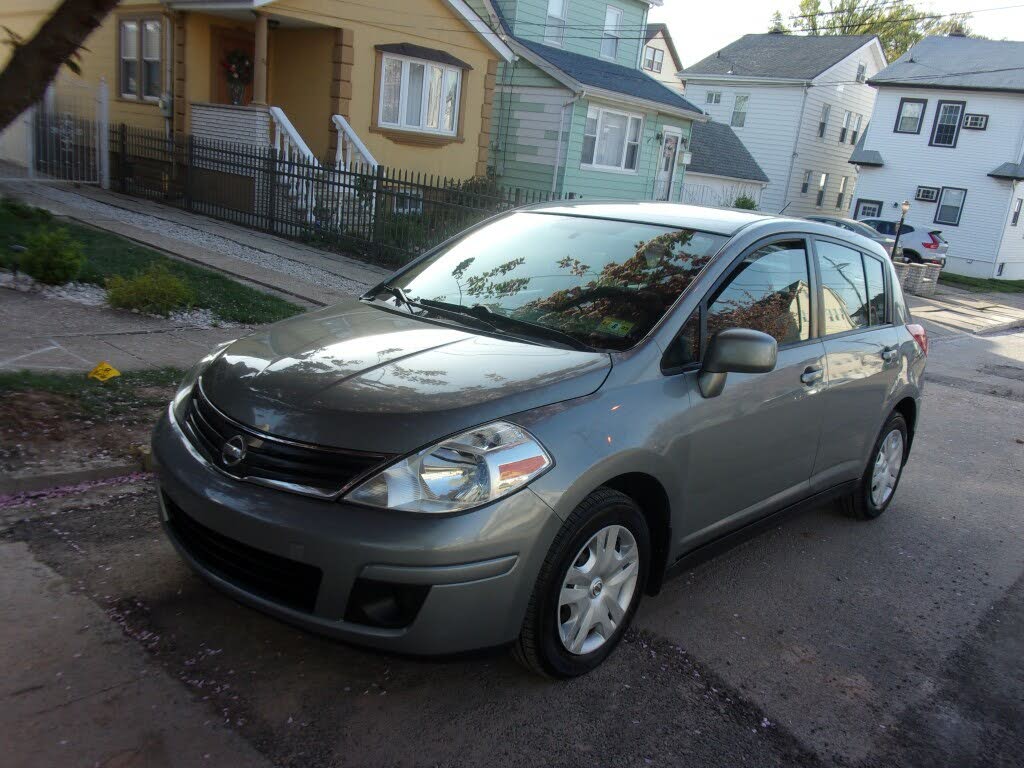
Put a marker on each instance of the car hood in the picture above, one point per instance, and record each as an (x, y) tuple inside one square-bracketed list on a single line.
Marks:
[(360, 377)]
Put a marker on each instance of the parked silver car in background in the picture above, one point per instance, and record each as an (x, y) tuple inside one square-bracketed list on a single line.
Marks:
[(852, 225), (513, 438), (918, 245)]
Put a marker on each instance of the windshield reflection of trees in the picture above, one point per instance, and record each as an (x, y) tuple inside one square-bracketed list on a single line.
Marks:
[(632, 294)]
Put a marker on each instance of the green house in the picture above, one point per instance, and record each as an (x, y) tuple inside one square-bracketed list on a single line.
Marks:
[(574, 114)]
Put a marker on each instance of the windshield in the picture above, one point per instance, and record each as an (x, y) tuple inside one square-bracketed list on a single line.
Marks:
[(604, 283)]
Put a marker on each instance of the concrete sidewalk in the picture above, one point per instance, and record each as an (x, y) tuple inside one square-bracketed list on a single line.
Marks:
[(285, 267), (952, 311)]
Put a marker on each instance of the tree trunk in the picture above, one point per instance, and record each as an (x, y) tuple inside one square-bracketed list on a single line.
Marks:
[(35, 62)]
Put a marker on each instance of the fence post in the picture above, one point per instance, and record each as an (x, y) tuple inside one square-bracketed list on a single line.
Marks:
[(103, 132), (271, 182), (122, 157), (190, 155), (378, 186)]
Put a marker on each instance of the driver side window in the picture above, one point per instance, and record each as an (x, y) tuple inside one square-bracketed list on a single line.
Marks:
[(768, 291)]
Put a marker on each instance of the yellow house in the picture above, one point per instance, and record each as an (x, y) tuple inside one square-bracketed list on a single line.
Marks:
[(405, 83)]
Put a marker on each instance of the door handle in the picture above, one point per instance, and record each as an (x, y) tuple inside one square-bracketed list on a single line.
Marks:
[(889, 354), (812, 375)]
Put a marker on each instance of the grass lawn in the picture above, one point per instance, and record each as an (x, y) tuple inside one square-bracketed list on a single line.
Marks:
[(126, 394), (981, 284), (108, 255)]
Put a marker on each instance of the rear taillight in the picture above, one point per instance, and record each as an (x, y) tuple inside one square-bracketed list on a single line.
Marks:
[(920, 336), (935, 242)]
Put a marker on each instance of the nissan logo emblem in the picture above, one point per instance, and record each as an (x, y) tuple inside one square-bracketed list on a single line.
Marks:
[(233, 452)]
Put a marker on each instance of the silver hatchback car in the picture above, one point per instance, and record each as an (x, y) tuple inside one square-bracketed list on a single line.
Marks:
[(516, 436)]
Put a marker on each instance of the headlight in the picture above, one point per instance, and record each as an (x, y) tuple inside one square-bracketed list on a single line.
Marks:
[(469, 469)]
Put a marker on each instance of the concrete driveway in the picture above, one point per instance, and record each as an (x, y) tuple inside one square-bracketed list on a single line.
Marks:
[(823, 642)]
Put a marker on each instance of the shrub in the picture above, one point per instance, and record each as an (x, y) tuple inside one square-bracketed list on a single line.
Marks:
[(52, 256), (745, 202), (156, 291), (22, 211)]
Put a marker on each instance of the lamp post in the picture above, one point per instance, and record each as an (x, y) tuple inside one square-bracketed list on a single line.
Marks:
[(904, 207)]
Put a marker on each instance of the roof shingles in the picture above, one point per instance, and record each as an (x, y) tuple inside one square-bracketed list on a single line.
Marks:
[(717, 151), (958, 62), (791, 57)]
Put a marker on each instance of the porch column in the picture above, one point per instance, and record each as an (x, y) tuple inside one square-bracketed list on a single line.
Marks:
[(259, 64)]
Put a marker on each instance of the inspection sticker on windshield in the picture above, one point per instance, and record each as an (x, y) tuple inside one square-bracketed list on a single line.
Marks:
[(614, 327)]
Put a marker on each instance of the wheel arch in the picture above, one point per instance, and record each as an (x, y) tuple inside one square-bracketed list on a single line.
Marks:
[(907, 407), (652, 498)]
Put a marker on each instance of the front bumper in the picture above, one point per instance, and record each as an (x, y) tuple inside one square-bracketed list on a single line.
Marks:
[(477, 569)]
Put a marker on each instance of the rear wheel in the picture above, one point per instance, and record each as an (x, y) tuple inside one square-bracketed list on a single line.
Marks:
[(912, 256), (878, 484), (588, 588)]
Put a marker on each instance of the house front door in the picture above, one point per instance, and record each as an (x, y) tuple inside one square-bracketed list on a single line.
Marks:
[(666, 164), (232, 48)]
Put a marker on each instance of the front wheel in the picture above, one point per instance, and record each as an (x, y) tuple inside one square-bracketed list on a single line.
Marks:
[(588, 588), (878, 484)]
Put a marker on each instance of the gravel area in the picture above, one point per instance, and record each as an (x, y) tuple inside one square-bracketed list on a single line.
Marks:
[(199, 238)]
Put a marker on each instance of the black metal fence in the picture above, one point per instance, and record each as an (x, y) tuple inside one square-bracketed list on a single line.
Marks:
[(384, 215)]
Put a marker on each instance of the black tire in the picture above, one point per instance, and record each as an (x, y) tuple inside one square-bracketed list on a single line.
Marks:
[(539, 646), (913, 257), (859, 504)]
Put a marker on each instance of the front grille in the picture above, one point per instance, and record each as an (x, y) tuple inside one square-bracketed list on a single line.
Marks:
[(293, 466), (288, 582)]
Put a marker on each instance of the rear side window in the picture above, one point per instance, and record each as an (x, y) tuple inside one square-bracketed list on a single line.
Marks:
[(844, 288), (768, 291), (873, 272)]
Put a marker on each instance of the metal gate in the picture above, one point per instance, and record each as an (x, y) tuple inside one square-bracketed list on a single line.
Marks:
[(63, 138)]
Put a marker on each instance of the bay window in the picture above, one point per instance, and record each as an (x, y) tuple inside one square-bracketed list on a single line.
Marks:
[(611, 139), (140, 70), (419, 94)]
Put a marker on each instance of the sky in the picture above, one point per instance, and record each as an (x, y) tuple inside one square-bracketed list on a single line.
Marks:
[(701, 28)]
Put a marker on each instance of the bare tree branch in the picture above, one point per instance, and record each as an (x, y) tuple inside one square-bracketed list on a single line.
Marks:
[(35, 62)]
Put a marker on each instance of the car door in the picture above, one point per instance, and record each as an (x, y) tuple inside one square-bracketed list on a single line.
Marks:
[(862, 359), (752, 448)]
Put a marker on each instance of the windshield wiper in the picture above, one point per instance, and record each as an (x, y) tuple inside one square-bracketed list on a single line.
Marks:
[(399, 294), (483, 314)]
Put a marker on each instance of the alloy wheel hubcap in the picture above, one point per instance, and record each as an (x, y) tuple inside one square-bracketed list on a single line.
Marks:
[(887, 468), (597, 589)]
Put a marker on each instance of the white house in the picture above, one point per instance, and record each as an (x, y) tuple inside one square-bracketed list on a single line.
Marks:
[(659, 58), (799, 105), (947, 134), (721, 169)]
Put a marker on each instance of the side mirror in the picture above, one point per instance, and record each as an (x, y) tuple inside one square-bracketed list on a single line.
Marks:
[(735, 350)]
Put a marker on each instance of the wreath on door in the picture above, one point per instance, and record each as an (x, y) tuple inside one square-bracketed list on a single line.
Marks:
[(237, 66)]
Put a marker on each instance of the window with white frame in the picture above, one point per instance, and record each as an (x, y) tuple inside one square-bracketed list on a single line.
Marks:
[(976, 122), (554, 28), (653, 58), (611, 139), (419, 95), (1016, 212), (713, 97), (140, 50), (855, 133), (862, 70), (612, 32), (822, 186), (946, 129), (826, 110), (739, 110), (868, 209), (808, 175), (847, 119), (951, 206), (841, 197)]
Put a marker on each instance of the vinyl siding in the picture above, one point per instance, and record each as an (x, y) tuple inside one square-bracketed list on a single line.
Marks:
[(974, 244), (718, 191), (529, 118), (769, 132), (1011, 254), (528, 19), (668, 67), (838, 88)]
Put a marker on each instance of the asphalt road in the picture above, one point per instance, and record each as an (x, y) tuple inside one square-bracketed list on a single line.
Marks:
[(824, 641)]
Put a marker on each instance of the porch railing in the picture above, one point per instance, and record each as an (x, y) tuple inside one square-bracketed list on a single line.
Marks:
[(350, 147), (290, 148)]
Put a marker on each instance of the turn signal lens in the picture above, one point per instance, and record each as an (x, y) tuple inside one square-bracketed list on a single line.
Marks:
[(475, 467)]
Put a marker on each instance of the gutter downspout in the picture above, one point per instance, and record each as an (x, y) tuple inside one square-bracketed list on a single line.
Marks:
[(796, 141), (558, 146)]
